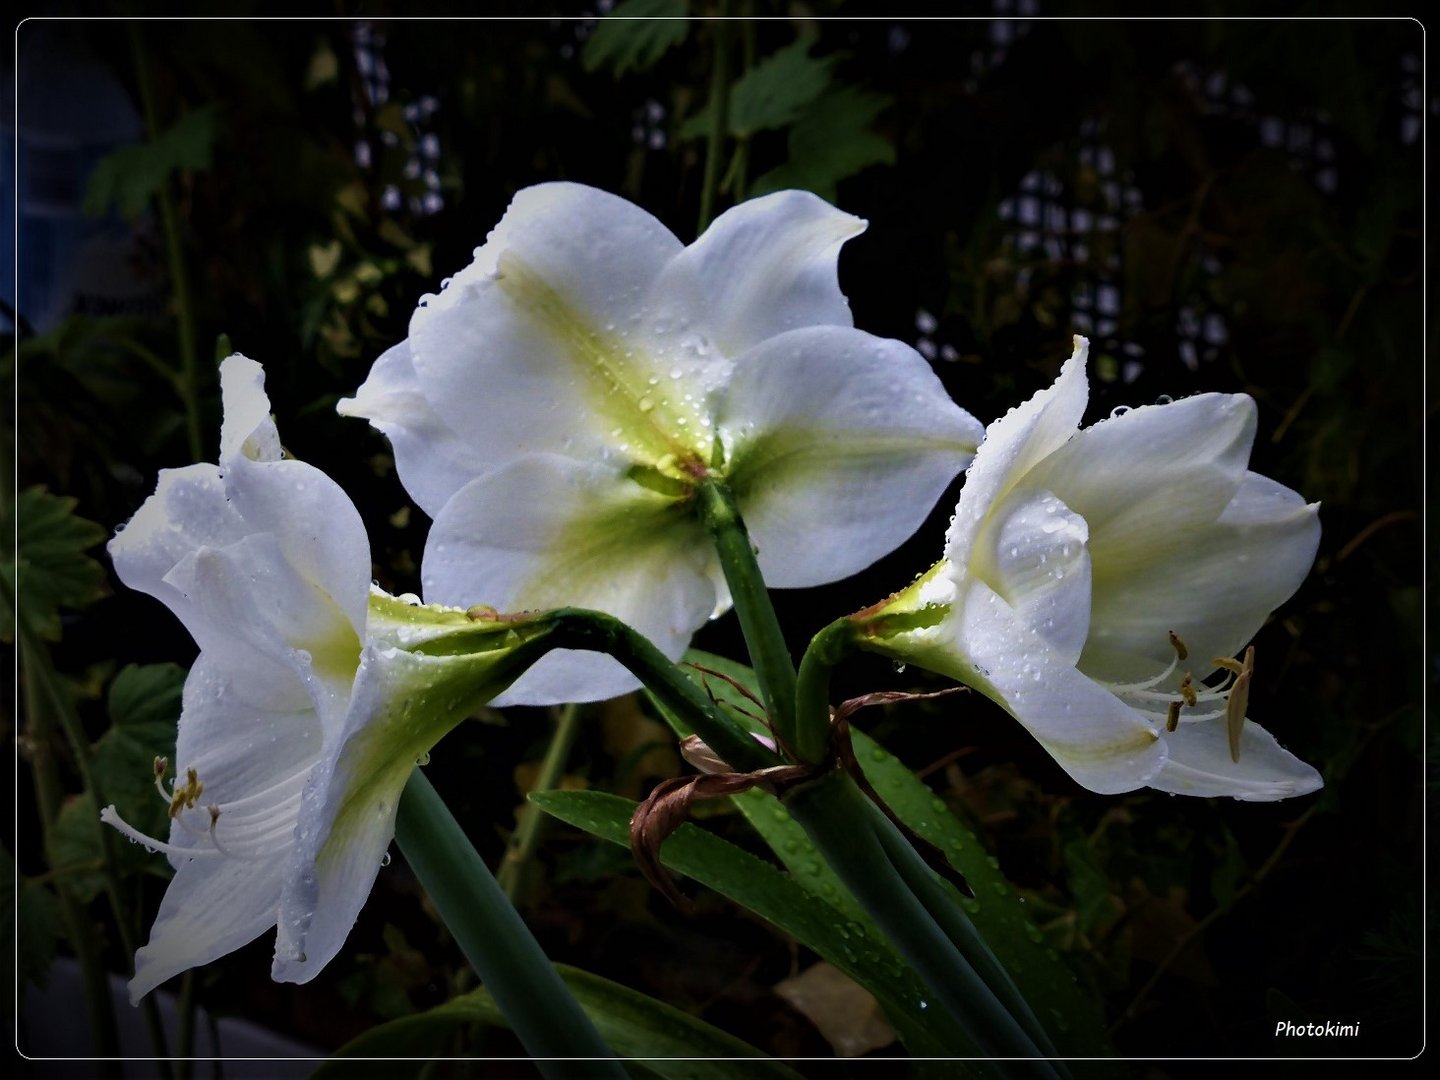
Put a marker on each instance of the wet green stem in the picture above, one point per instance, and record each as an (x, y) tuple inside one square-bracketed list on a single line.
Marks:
[(853, 837), (769, 655), (574, 628), (543, 1013)]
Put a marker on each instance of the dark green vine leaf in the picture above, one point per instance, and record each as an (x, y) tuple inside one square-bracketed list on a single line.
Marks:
[(635, 35), (130, 177), (633, 1024), (30, 920), (74, 842), (771, 95), (832, 141), (50, 568), (144, 705)]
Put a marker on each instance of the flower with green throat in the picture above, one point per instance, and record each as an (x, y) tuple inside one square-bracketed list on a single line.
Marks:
[(556, 406), (312, 698), (1096, 579)]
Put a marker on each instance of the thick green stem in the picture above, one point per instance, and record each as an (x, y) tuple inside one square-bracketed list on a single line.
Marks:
[(514, 870), (769, 656), (812, 691), (719, 116), (573, 628), (187, 382), (540, 1008), (845, 829), (951, 918)]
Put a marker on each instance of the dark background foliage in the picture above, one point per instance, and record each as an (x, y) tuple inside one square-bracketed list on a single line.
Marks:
[(1219, 204)]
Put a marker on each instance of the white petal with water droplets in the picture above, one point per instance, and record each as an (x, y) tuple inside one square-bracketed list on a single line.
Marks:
[(763, 267), (841, 443), (588, 538), (434, 461)]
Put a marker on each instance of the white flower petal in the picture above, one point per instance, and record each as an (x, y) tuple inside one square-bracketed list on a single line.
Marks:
[(188, 511), (1148, 473), (404, 703), (588, 538), (251, 744), (244, 736), (317, 530), (248, 595), (247, 429), (547, 333), (761, 268), (842, 443), (1200, 764), (1101, 743), (1215, 589), (1032, 552), (212, 907), (1016, 443), (433, 460)]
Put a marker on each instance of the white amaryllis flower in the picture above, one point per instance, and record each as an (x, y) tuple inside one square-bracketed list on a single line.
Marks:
[(311, 699), (1094, 579), (557, 403)]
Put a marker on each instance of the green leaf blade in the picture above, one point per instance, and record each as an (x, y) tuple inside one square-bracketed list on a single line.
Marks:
[(51, 569), (635, 35), (634, 1024), (855, 948)]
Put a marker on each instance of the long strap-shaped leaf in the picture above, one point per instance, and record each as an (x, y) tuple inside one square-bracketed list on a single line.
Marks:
[(852, 946), (1071, 1016), (658, 1038)]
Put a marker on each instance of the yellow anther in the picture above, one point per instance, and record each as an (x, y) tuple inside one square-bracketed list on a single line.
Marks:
[(1187, 690), (185, 798), (1179, 646), (1172, 716), (1237, 702), (481, 611), (1230, 664)]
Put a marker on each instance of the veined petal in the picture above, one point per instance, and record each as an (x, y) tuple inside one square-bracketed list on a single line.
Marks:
[(247, 429), (1215, 589), (248, 739), (251, 743), (212, 907), (840, 443), (404, 703), (597, 248), (1152, 470), (764, 267), (248, 595), (1032, 552), (433, 460), (1016, 443), (1101, 743), (187, 512), (317, 530), (590, 537), (1200, 764), (553, 312)]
